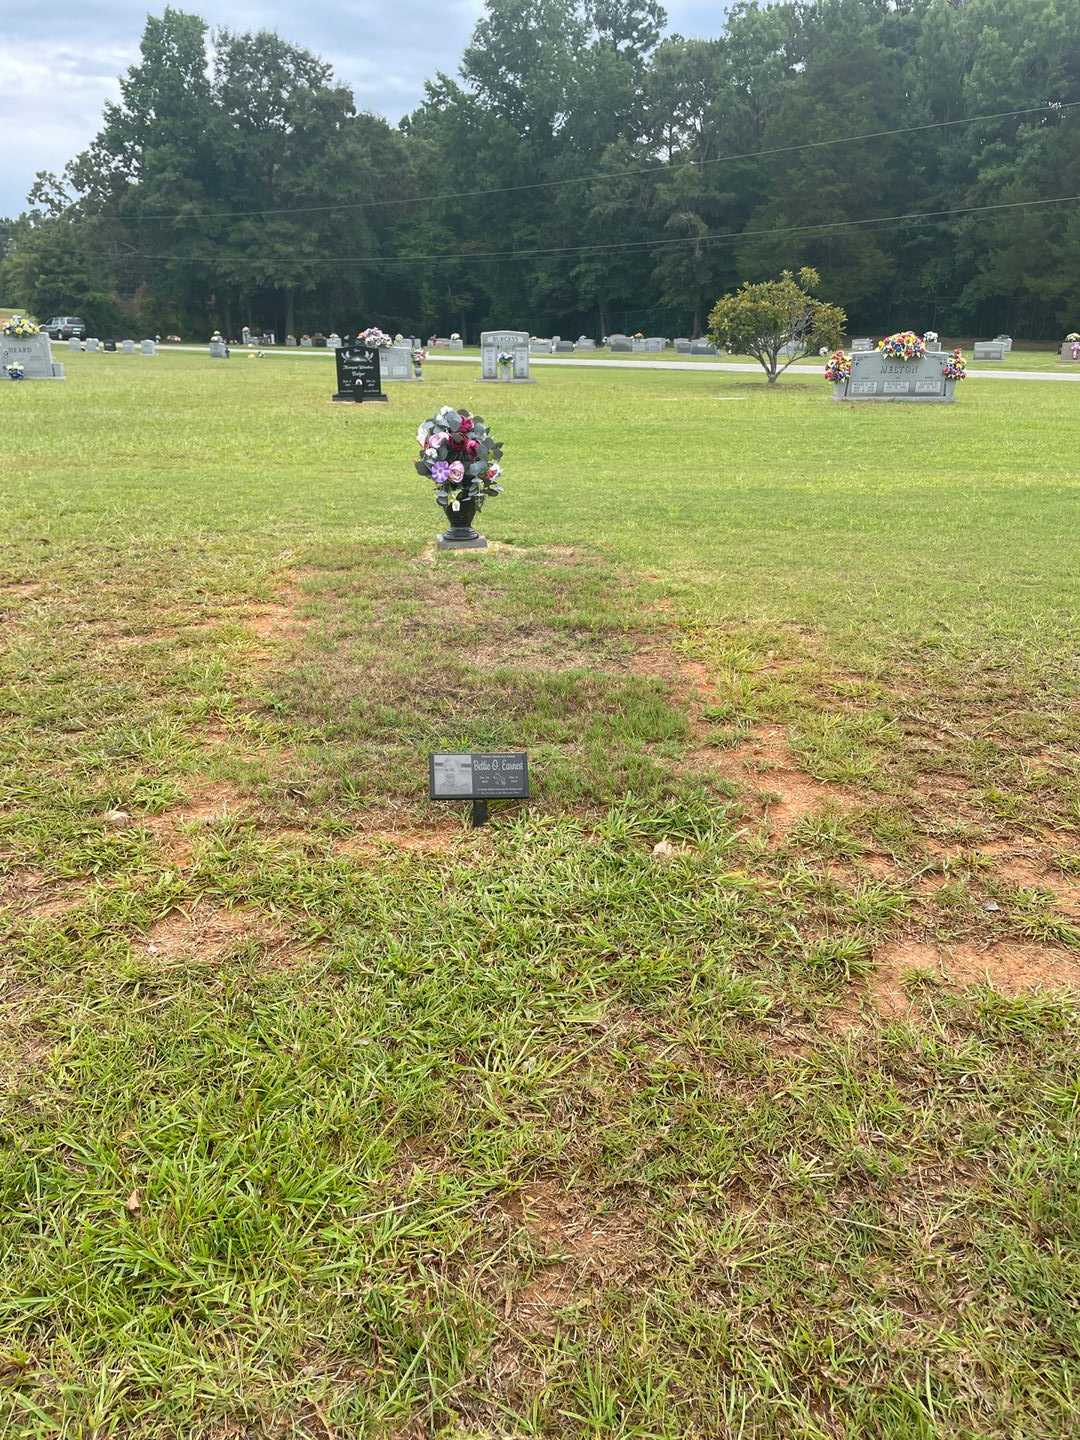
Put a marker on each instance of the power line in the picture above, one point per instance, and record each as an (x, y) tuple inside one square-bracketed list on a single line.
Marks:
[(1056, 107), (629, 246)]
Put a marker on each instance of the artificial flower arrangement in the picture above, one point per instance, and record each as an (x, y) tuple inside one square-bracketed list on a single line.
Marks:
[(931, 339), (1072, 337), (459, 455), (16, 371), (904, 345), (505, 358), (955, 367), (17, 326), (374, 338), (838, 367)]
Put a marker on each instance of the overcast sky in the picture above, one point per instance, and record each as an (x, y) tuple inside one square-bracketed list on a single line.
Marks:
[(61, 60)]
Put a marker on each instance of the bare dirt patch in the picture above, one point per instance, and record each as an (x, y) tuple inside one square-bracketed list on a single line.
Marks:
[(419, 840), (763, 764), (1028, 872), (214, 801), (1009, 966), (270, 621), (34, 896), (577, 1251), (206, 932), (20, 589)]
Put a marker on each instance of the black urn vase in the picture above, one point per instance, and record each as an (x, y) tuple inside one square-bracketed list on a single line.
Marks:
[(460, 534)]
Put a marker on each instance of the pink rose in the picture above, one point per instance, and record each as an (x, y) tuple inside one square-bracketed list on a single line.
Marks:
[(466, 424), (471, 448), (457, 471)]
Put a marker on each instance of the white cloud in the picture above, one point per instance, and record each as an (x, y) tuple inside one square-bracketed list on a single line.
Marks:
[(52, 96)]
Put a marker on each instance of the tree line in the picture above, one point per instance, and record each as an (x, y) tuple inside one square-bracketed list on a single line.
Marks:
[(583, 172)]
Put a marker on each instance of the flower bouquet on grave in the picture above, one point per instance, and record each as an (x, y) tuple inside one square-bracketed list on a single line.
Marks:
[(838, 367), (459, 455), (18, 327), (374, 338), (1072, 337), (16, 371), (931, 339), (955, 367), (504, 360), (904, 345)]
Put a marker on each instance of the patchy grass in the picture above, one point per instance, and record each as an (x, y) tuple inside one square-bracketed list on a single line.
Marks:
[(726, 1089)]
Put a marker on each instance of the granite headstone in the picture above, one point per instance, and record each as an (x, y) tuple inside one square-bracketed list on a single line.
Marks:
[(359, 373), (876, 377), (396, 362), (509, 342), (33, 353)]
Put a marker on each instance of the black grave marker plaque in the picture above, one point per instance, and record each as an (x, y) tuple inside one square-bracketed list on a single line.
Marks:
[(479, 778), (359, 373)]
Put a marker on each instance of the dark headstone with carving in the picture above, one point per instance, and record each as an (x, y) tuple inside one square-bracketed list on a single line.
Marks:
[(359, 373)]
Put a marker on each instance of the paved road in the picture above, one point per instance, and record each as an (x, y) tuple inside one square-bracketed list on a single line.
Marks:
[(696, 366)]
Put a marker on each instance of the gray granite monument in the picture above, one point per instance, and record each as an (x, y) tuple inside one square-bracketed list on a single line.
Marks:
[(33, 353), (396, 362), (508, 342), (877, 377)]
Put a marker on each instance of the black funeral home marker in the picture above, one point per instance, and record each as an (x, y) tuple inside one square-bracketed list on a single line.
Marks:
[(479, 778)]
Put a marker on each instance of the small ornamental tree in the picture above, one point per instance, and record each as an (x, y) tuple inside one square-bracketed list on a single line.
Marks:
[(764, 319)]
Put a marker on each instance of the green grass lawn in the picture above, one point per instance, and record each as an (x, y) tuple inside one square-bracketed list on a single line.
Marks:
[(727, 1089)]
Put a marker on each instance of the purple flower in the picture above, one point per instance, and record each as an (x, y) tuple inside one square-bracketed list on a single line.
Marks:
[(440, 472), (457, 471)]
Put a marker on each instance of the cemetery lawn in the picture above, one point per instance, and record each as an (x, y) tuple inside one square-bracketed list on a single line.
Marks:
[(728, 1089)]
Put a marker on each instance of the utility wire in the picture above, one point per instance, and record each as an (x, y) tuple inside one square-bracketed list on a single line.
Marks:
[(1056, 107), (629, 246)]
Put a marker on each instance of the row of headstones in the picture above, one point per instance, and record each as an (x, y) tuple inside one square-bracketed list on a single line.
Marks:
[(125, 347), (983, 349)]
